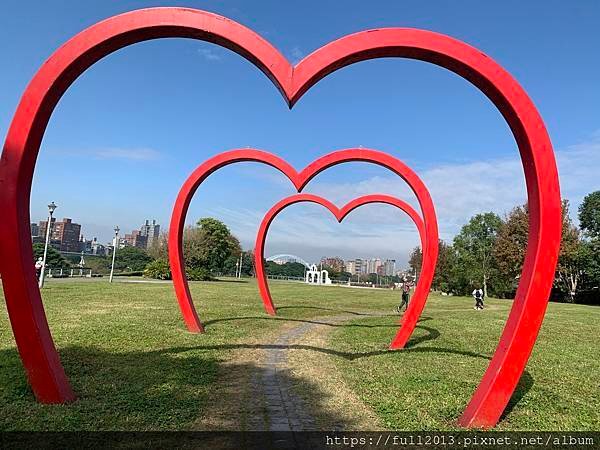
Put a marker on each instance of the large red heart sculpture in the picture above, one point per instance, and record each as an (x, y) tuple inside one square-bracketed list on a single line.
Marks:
[(299, 179), (340, 214), (30, 327)]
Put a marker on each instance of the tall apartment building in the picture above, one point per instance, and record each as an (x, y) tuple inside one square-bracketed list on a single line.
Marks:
[(142, 238), (35, 230), (356, 266), (350, 266), (137, 239), (373, 265), (389, 267), (150, 231), (66, 232), (336, 263)]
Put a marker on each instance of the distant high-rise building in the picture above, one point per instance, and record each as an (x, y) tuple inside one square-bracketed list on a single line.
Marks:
[(137, 239), (150, 231), (66, 232), (350, 266), (35, 230), (373, 265), (142, 238), (335, 262), (356, 266), (389, 267)]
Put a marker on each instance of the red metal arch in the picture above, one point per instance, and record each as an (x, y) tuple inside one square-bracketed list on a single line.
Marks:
[(299, 180), (23, 299), (340, 214)]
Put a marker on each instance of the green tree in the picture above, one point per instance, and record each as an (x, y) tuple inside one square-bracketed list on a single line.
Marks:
[(474, 247), (589, 215), (445, 269), (289, 269), (509, 249), (511, 245), (131, 259), (571, 259), (230, 265), (589, 219), (158, 269), (159, 248), (415, 260), (209, 245), (54, 260)]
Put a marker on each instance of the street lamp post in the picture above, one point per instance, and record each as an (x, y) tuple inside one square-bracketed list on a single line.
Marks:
[(116, 244), (51, 208)]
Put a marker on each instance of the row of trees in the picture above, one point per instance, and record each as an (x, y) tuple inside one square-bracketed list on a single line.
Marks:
[(128, 260), (209, 250), (489, 252)]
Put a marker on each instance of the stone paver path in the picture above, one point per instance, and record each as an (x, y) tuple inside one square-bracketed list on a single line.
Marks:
[(283, 409)]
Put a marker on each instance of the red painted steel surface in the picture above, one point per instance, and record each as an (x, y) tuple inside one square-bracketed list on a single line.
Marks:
[(340, 214), (299, 180), (22, 295)]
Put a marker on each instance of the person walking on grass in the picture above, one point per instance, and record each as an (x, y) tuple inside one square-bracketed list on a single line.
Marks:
[(406, 286), (39, 265), (478, 296)]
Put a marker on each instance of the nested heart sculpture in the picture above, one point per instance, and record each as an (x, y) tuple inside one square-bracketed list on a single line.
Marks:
[(428, 227), (340, 214), (24, 303)]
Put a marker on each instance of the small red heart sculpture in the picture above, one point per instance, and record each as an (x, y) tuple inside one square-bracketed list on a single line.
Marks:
[(420, 297), (299, 179), (24, 303)]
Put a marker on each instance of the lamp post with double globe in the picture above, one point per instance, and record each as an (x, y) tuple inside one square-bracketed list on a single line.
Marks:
[(51, 208), (112, 267)]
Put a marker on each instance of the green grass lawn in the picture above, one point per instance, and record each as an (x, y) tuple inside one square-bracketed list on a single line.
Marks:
[(135, 367)]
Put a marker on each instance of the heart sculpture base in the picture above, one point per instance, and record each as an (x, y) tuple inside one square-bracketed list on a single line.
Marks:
[(44, 370)]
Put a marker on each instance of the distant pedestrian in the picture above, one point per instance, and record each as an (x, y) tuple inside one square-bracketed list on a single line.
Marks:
[(39, 264), (406, 286), (478, 296)]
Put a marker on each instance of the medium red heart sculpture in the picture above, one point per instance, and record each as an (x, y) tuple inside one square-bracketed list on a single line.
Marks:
[(299, 180), (420, 296), (427, 227), (30, 327)]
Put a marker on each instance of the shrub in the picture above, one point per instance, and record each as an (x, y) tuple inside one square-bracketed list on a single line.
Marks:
[(199, 274), (137, 273), (158, 269)]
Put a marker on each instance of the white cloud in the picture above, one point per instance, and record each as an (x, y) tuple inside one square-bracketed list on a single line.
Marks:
[(458, 191), (210, 54), (136, 154), (297, 54)]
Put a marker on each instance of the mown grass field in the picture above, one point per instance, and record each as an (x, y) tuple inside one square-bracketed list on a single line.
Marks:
[(135, 367)]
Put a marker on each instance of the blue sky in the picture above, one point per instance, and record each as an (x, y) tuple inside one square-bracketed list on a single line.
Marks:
[(132, 128)]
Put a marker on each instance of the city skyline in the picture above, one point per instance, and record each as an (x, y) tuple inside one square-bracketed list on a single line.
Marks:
[(67, 236)]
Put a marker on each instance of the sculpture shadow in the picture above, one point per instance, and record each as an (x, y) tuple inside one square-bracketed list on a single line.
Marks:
[(229, 280), (170, 388), (153, 390), (432, 334), (208, 323), (279, 308)]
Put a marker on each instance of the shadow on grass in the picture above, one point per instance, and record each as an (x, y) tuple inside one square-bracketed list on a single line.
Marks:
[(167, 389), (432, 334), (287, 319), (316, 322), (221, 280), (324, 309)]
